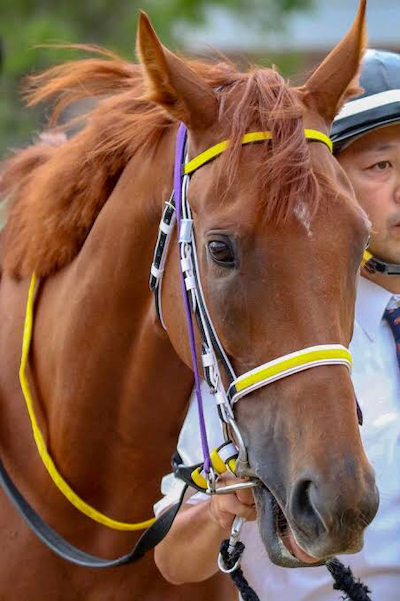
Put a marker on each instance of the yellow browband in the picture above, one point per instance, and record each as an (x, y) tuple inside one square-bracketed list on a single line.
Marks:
[(254, 136), (40, 443)]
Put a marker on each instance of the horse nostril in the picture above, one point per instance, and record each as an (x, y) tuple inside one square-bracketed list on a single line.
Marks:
[(303, 499), (303, 510)]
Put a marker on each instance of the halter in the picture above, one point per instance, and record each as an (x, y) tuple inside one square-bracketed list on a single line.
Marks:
[(213, 354)]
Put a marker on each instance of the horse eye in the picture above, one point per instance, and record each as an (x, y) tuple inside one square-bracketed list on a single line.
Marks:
[(221, 253)]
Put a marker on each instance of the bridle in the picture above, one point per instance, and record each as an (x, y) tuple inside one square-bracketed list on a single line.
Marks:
[(204, 476), (213, 355)]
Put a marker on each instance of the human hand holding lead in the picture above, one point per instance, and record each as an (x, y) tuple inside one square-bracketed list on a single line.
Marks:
[(224, 508)]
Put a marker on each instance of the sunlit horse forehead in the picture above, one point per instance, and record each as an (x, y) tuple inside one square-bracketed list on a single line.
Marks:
[(262, 100)]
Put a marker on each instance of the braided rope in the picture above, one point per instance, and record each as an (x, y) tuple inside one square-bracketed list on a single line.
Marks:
[(344, 579), (354, 589), (245, 590)]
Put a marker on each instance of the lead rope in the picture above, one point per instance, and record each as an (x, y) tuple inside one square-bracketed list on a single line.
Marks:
[(344, 579), (353, 588), (236, 573)]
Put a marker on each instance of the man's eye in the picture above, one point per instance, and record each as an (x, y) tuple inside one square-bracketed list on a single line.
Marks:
[(381, 166)]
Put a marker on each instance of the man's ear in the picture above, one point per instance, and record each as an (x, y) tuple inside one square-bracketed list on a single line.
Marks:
[(171, 83), (336, 79)]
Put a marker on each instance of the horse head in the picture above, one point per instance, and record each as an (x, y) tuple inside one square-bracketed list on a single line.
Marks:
[(280, 238)]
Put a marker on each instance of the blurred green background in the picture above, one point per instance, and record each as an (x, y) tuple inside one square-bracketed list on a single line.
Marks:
[(293, 34), (25, 24)]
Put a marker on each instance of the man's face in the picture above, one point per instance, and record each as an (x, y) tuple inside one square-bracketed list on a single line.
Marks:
[(373, 165)]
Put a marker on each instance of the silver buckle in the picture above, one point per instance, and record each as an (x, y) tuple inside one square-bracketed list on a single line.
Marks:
[(233, 540)]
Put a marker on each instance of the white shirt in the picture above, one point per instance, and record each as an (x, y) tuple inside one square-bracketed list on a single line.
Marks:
[(376, 379)]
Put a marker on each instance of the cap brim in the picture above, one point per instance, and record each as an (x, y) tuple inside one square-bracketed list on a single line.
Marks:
[(346, 138)]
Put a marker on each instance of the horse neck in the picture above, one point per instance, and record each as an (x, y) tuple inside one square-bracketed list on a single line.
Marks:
[(120, 389)]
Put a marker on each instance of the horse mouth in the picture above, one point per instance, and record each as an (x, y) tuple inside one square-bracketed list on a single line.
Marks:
[(277, 535)]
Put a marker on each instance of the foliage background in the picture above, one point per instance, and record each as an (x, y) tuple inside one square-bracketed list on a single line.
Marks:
[(26, 24)]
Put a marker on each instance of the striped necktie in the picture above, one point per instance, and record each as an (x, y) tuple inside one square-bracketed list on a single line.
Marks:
[(392, 316)]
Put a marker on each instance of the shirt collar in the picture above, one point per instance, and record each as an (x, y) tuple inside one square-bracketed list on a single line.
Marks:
[(370, 306)]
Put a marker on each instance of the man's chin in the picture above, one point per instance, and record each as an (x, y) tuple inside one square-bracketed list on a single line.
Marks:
[(389, 249)]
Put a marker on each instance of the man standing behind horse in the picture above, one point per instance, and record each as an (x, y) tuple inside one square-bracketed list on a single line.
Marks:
[(366, 136)]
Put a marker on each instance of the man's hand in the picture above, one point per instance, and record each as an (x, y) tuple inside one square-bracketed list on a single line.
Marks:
[(224, 508)]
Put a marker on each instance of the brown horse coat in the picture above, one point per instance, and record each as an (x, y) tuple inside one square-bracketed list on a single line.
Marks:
[(110, 385)]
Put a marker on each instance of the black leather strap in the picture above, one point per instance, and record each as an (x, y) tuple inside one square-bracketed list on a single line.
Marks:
[(374, 265), (184, 473), (149, 539)]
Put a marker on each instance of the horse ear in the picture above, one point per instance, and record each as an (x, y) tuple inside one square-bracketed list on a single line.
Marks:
[(172, 83), (336, 79)]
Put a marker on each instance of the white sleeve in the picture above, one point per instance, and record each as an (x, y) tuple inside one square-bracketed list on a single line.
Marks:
[(189, 446)]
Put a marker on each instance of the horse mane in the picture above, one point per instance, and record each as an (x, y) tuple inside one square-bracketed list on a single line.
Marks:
[(57, 186)]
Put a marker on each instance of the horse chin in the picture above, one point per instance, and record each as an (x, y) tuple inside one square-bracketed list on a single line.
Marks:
[(277, 535)]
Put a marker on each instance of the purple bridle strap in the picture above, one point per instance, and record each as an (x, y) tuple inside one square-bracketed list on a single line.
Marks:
[(179, 160)]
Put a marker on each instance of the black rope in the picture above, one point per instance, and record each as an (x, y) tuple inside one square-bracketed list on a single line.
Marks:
[(354, 589), (237, 576)]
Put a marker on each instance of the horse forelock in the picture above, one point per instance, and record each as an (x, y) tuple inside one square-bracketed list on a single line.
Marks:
[(62, 187), (285, 176)]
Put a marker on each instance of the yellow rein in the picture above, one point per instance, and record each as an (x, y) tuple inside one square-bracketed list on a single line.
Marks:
[(55, 475)]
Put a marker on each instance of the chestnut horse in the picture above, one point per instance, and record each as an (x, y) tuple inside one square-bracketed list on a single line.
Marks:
[(280, 238)]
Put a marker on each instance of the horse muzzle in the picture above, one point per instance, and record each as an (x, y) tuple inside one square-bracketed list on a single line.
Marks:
[(314, 524)]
